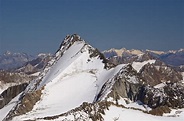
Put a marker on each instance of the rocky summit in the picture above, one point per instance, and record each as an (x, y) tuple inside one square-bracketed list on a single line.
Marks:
[(79, 83)]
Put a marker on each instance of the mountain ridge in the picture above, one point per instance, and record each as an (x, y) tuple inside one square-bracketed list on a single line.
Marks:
[(79, 81), (71, 50), (173, 58)]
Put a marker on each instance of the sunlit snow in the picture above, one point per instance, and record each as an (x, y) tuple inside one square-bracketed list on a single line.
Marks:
[(138, 65)]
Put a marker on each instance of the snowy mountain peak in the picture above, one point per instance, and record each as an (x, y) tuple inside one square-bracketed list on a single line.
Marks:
[(79, 77), (69, 40), (70, 47), (7, 53), (77, 70), (155, 52)]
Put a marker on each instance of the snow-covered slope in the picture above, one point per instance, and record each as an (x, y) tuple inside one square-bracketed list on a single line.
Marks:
[(75, 75), (114, 113), (4, 111), (138, 65), (71, 81), (118, 114), (79, 82)]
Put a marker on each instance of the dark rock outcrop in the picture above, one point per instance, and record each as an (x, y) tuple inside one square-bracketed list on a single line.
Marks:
[(86, 112), (125, 84), (10, 93), (10, 77), (172, 95), (27, 101), (153, 74)]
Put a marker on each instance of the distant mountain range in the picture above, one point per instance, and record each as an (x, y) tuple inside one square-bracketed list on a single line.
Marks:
[(79, 83), (35, 65), (171, 58), (9, 60), (22, 62), (13, 61)]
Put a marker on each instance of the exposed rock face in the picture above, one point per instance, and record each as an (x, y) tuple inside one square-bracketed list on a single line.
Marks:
[(125, 88), (119, 60), (27, 101), (28, 69), (85, 112), (172, 95), (153, 74), (159, 99), (122, 86), (160, 110), (35, 65), (10, 77), (152, 97), (10, 93), (175, 92), (125, 84), (96, 52)]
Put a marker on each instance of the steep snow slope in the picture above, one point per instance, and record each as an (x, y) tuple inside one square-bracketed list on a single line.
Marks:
[(76, 75)]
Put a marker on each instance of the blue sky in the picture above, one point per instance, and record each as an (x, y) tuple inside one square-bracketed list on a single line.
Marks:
[(35, 26)]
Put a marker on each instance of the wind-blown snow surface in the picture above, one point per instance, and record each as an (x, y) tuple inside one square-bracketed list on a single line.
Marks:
[(74, 79)]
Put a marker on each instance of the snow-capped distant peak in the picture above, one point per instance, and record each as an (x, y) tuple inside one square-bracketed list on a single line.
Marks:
[(136, 52), (117, 51), (156, 52), (44, 54), (7, 53), (172, 51), (181, 50), (120, 52)]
